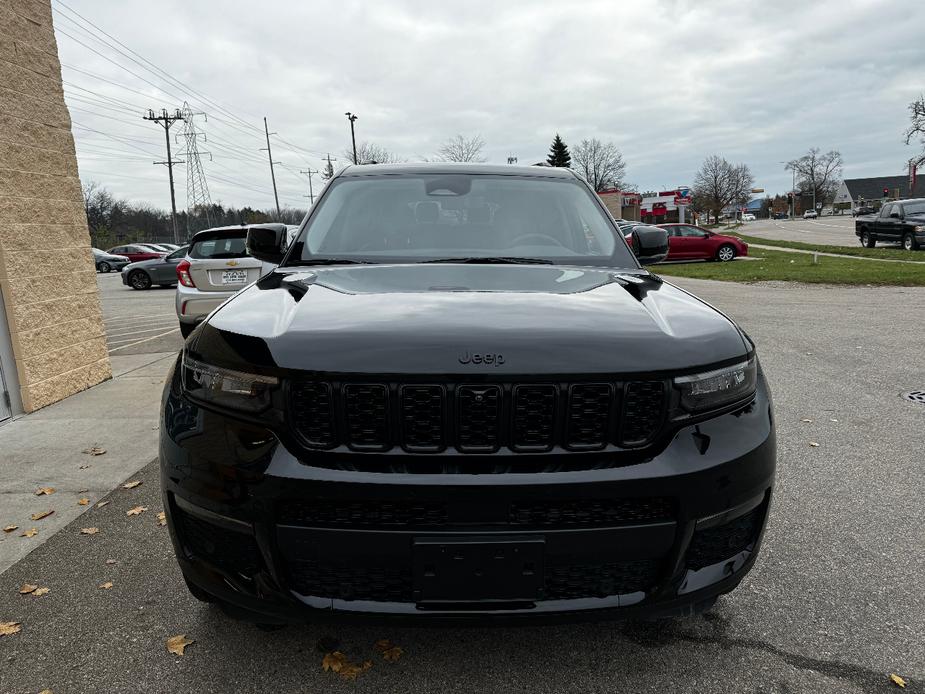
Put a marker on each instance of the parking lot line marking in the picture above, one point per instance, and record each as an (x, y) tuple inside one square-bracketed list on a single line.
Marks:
[(147, 339), (136, 318), (163, 325)]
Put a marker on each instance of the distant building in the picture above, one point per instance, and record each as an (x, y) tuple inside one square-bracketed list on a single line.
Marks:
[(622, 205), (854, 191)]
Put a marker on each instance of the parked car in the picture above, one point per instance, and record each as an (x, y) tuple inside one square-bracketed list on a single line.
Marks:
[(689, 242), (862, 210), (216, 266), (492, 414), (781, 215), (898, 222), (135, 252), (810, 214), (748, 217), (107, 262), (159, 247), (162, 271)]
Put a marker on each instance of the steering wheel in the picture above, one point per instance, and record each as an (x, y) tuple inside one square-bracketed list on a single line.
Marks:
[(535, 235)]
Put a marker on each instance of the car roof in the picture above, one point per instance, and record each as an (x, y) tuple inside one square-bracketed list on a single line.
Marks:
[(355, 170), (217, 231)]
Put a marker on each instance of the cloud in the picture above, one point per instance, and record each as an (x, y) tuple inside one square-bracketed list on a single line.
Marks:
[(669, 83)]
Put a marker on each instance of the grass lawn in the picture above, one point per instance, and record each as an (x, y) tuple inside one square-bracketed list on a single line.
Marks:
[(798, 267), (860, 251)]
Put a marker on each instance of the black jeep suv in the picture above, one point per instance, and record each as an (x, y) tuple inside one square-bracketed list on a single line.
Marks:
[(460, 396)]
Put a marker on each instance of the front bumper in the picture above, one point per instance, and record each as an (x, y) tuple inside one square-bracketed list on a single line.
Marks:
[(256, 525), (193, 305)]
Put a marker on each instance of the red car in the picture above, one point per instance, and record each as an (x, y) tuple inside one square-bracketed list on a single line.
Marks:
[(689, 242), (136, 252)]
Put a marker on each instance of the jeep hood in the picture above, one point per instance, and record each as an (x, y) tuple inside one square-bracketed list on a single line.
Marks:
[(435, 319)]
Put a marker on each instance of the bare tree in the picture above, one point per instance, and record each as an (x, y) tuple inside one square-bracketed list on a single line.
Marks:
[(600, 163), (371, 153), (818, 174), (719, 184), (461, 148), (917, 127)]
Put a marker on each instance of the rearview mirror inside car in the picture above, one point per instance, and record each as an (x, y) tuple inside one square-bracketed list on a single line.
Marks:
[(267, 243), (650, 244)]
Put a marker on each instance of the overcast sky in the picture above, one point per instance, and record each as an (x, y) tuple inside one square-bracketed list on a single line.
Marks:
[(669, 83)]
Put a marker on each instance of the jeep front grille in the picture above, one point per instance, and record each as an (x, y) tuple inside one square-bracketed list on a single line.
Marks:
[(477, 418)]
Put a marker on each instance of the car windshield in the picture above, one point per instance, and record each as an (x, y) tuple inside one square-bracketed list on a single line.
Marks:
[(914, 208), (466, 217)]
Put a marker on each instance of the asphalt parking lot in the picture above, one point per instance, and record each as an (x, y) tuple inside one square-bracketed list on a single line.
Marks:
[(834, 604), (831, 231), (138, 322)]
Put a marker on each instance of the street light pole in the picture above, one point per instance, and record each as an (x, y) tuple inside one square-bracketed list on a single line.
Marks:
[(353, 138), (793, 192)]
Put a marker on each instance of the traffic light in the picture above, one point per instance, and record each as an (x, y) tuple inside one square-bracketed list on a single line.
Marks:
[(886, 192)]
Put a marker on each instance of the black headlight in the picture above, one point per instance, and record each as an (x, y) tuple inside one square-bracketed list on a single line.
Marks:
[(714, 389), (235, 390)]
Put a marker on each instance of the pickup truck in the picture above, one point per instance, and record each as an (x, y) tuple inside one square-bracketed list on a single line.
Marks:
[(902, 221)]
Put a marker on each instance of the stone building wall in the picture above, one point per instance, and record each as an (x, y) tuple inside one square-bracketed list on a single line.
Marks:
[(47, 274)]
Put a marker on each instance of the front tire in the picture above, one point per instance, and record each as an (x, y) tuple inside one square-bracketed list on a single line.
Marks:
[(103, 266), (867, 240), (909, 242), (725, 253), (139, 280)]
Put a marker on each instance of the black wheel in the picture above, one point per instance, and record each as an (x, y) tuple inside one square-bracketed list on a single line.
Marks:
[(139, 280), (103, 266), (725, 253), (909, 242), (867, 240), (186, 329), (198, 593)]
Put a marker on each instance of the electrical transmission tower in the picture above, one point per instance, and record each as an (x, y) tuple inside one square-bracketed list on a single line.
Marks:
[(197, 190)]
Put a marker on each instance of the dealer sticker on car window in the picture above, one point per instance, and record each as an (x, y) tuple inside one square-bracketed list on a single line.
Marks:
[(234, 276)]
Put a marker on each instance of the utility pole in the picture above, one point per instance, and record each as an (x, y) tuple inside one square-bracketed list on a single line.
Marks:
[(165, 120), (311, 194), (352, 117), (270, 155)]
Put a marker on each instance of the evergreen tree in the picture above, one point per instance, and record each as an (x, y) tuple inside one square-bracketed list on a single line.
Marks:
[(559, 154)]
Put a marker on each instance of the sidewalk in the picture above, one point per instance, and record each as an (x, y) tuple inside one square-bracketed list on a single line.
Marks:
[(45, 449), (832, 255)]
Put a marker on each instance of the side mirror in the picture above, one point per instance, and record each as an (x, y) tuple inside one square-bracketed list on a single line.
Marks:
[(267, 243), (650, 244)]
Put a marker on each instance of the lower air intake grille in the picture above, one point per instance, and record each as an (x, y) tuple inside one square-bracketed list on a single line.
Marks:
[(572, 581), (346, 582), (723, 542), (363, 514), (225, 549), (592, 513)]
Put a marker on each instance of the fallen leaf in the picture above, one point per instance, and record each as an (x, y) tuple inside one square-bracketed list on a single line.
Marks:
[(46, 691), (813, 444), (392, 654), (27, 588), (107, 586), (177, 644), (10, 528), (89, 531), (162, 518), (39, 592), (382, 645), (350, 671), (41, 514), (9, 628), (31, 532), (82, 491), (84, 467), (101, 504), (83, 502), (807, 420), (110, 561), (898, 681), (333, 661), (47, 491), (138, 510), (131, 485), (95, 450)]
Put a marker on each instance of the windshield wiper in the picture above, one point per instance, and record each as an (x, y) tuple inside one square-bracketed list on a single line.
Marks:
[(493, 260), (329, 261)]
